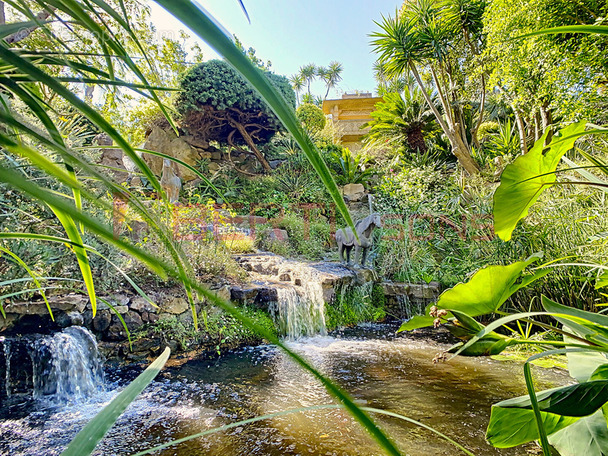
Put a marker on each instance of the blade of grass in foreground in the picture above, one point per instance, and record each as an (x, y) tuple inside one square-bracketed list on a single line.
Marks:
[(87, 439)]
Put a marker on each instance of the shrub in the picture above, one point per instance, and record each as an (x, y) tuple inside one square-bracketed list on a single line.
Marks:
[(312, 117)]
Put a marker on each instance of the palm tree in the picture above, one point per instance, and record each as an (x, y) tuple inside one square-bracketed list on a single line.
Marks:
[(297, 82), (403, 120), (424, 34), (308, 73), (331, 75)]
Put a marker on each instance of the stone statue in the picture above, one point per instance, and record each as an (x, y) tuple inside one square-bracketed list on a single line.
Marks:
[(170, 182), (346, 239)]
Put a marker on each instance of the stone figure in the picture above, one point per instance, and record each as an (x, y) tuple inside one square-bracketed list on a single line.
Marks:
[(346, 239), (170, 182)]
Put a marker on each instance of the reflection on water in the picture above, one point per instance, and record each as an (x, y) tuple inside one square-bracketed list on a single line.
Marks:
[(379, 370)]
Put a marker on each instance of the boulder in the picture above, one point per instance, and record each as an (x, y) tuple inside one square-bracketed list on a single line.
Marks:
[(168, 143), (353, 192), (277, 234), (175, 306)]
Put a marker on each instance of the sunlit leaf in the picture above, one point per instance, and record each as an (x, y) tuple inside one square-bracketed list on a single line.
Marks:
[(522, 181)]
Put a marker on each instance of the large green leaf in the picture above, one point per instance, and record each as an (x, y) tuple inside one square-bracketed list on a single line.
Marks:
[(586, 437), (581, 399), (522, 181), (591, 326), (88, 438), (484, 293), (510, 427)]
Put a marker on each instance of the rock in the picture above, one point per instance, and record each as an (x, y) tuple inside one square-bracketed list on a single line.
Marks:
[(64, 320), (395, 288), (213, 167), (116, 331), (102, 321), (285, 277), (242, 295), (141, 305), (279, 235), (223, 293), (113, 159), (353, 192), (67, 303), (175, 306), (217, 156), (168, 143), (274, 164), (132, 320), (149, 317)]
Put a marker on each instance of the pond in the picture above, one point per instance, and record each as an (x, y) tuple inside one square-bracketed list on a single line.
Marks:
[(379, 369)]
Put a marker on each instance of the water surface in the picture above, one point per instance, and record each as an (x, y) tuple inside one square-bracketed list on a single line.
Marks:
[(377, 368)]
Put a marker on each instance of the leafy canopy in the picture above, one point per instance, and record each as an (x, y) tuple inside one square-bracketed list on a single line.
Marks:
[(214, 84)]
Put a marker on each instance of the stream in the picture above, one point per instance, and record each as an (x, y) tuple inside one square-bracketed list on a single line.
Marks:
[(378, 368)]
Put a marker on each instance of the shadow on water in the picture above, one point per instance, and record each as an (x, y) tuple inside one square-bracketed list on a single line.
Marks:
[(379, 369)]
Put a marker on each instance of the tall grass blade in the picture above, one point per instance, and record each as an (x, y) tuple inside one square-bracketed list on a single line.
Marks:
[(87, 439), (33, 275)]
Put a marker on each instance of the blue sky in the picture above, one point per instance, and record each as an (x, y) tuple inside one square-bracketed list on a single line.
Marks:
[(291, 33)]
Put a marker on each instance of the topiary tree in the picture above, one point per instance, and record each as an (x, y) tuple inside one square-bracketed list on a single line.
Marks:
[(311, 116), (218, 105)]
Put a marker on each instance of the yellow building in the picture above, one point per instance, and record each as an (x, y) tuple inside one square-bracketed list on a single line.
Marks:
[(349, 114)]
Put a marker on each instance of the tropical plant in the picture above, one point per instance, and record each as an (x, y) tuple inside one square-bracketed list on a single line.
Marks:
[(330, 75), (568, 418), (401, 120), (440, 36), (23, 71), (354, 168), (217, 104), (297, 82), (504, 141), (308, 73)]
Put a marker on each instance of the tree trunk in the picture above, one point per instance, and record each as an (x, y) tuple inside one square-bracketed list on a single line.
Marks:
[(537, 133), (252, 146), (24, 33), (2, 17), (482, 107), (547, 119), (521, 128), (459, 149)]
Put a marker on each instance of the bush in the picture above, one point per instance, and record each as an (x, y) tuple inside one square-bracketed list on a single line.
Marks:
[(312, 117)]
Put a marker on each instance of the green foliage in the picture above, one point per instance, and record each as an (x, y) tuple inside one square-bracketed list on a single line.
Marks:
[(311, 116), (354, 169), (402, 121), (355, 304), (529, 175), (502, 142), (307, 237), (484, 293), (215, 84), (536, 73)]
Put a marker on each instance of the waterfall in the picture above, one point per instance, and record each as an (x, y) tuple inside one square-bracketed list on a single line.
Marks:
[(301, 313), (62, 367)]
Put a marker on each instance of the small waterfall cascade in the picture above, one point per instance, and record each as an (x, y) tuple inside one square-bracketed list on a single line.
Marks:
[(61, 367), (408, 308), (301, 313)]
